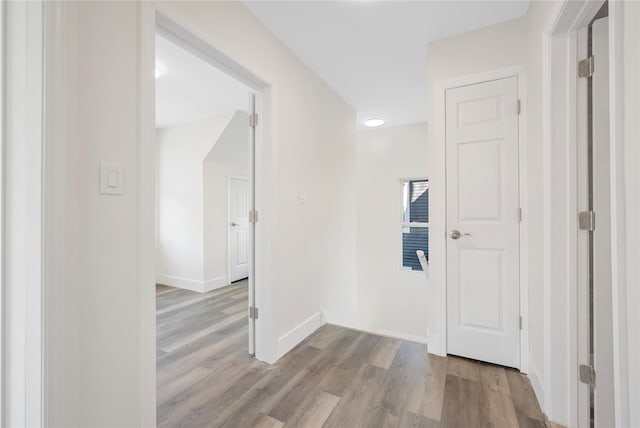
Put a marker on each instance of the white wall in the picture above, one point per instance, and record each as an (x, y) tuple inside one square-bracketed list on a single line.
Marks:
[(228, 157), (390, 301), (490, 48), (180, 243), (106, 356), (100, 350)]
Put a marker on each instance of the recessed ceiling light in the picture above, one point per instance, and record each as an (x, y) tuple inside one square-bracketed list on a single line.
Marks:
[(373, 122), (160, 70)]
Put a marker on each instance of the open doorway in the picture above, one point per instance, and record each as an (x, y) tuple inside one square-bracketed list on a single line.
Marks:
[(205, 212), (596, 347), (581, 122)]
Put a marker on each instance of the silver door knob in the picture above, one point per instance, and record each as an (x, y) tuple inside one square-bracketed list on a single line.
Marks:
[(234, 224), (455, 234)]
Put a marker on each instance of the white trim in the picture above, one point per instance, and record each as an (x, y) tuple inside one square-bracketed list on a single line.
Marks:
[(403, 336), (624, 48), (262, 176), (429, 340), (536, 383), (229, 178), (215, 283), (3, 65), (180, 282), (54, 218), (441, 88), (546, 229), (192, 284), (177, 30), (23, 230), (557, 119), (576, 123), (146, 180), (524, 225), (252, 137), (289, 340), (561, 32), (564, 149)]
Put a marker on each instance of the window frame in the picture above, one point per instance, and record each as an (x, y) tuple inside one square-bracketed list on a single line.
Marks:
[(403, 224)]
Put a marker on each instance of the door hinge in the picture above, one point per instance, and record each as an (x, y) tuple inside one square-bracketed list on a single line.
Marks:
[(253, 216), (253, 313), (586, 67), (519, 107), (519, 214), (587, 374), (520, 322), (587, 220), (253, 120)]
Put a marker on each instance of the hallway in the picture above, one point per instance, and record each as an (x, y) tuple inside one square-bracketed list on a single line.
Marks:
[(336, 378)]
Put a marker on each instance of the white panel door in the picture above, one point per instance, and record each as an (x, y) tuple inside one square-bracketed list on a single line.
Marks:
[(483, 301), (239, 228)]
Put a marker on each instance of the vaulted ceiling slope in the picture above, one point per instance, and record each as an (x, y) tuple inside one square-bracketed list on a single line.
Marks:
[(373, 53), (188, 88)]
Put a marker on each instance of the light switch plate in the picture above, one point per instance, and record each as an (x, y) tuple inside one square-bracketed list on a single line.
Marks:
[(111, 179)]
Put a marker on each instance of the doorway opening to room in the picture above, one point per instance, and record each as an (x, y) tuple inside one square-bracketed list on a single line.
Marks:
[(206, 219), (594, 223), (582, 120)]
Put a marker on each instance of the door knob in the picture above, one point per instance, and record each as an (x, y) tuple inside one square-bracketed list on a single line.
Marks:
[(234, 224), (455, 234)]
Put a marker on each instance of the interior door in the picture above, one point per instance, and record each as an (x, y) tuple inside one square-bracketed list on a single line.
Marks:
[(238, 228), (483, 301), (604, 411), (253, 311)]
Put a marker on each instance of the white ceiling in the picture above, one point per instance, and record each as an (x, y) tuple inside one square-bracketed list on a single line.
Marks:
[(373, 53), (191, 89)]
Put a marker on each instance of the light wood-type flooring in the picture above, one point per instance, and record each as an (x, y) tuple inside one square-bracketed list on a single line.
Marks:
[(336, 378)]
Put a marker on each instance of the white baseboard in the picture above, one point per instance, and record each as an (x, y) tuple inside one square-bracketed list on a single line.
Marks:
[(192, 284), (289, 340), (430, 341), (215, 283), (175, 281), (434, 346), (536, 383), (403, 336)]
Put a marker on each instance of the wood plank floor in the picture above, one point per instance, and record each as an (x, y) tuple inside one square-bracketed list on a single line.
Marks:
[(336, 378)]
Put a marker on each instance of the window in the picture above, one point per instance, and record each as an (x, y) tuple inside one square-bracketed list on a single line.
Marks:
[(415, 222)]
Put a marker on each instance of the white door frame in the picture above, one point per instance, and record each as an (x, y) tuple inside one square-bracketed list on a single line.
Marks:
[(564, 125), (564, 133), (24, 126), (441, 88), (229, 178), (153, 18)]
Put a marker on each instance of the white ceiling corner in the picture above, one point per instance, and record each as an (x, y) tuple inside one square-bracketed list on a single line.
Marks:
[(373, 53)]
